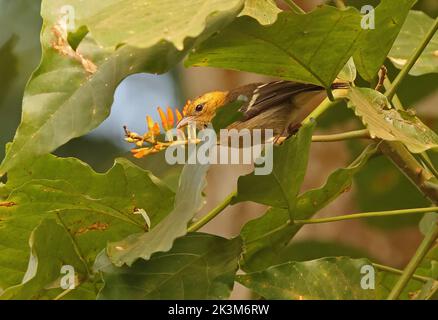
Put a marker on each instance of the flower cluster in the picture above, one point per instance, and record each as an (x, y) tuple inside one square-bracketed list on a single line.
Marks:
[(149, 142)]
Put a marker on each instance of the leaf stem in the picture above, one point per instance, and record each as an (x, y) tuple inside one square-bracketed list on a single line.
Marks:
[(398, 271), (409, 271), (340, 4), (395, 100), (355, 134), (403, 73), (63, 294), (212, 214), (326, 104), (367, 215), (295, 8)]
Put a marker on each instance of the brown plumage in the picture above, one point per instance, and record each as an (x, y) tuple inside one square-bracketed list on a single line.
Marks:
[(279, 105)]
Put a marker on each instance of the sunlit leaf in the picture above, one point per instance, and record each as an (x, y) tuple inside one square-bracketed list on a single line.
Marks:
[(390, 124), (71, 92), (265, 11), (411, 35), (188, 201), (94, 208), (322, 279)]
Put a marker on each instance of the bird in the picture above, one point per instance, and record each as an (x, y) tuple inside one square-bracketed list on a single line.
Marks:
[(278, 105)]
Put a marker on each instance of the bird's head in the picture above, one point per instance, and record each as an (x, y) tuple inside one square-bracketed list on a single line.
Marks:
[(202, 109)]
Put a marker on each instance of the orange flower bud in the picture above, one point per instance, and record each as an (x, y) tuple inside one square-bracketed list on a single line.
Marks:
[(140, 153), (170, 119), (150, 123), (163, 118), (156, 129), (178, 115)]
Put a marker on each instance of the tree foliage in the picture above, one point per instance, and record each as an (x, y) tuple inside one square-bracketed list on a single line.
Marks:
[(125, 232)]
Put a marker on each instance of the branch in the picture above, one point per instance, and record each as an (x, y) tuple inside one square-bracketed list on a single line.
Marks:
[(294, 7), (409, 271), (398, 271), (356, 134), (212, 214), (414, 171), (367, 215)]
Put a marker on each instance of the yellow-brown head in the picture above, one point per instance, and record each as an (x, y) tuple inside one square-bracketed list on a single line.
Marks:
[(203, 109)]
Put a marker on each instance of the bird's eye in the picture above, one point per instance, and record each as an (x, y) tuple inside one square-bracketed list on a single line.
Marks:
[(199, 107)]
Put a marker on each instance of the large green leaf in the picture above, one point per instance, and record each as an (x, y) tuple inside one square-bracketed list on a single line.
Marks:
[(322, 279), (279, 188), (145, 23), (67, 98), (374, 44), (199, 266), (264, 238), (309, 47), (390, 124), (94, 208), (51, 247), (411, 35), (188, 201), (265, 11)]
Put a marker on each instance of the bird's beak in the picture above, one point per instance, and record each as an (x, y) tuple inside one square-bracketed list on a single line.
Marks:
[(184, 122)]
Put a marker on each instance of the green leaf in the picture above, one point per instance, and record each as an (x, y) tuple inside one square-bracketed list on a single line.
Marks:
[(226, 115), (94, 208), (348, 72), (279, 188), (199, 266), (390, 124), (145, 23), (265, 11), (188, 201), (65, 98), (309, 48), (264, 238), (322, 279), (51, 248), (374, 44), (75, 38), (411, 35)]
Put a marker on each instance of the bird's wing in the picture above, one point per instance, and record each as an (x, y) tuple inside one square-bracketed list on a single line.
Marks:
[(262, 96)]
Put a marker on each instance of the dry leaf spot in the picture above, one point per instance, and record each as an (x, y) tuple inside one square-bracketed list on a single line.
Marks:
[(61, 45), (95, 226), (7, 204)]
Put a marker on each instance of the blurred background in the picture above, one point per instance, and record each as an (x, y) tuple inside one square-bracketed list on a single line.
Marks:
[(379, 187)]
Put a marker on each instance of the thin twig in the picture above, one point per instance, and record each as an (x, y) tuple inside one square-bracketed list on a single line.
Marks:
[(212, 214), (367, 215), (398, 271), (294, 7)]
